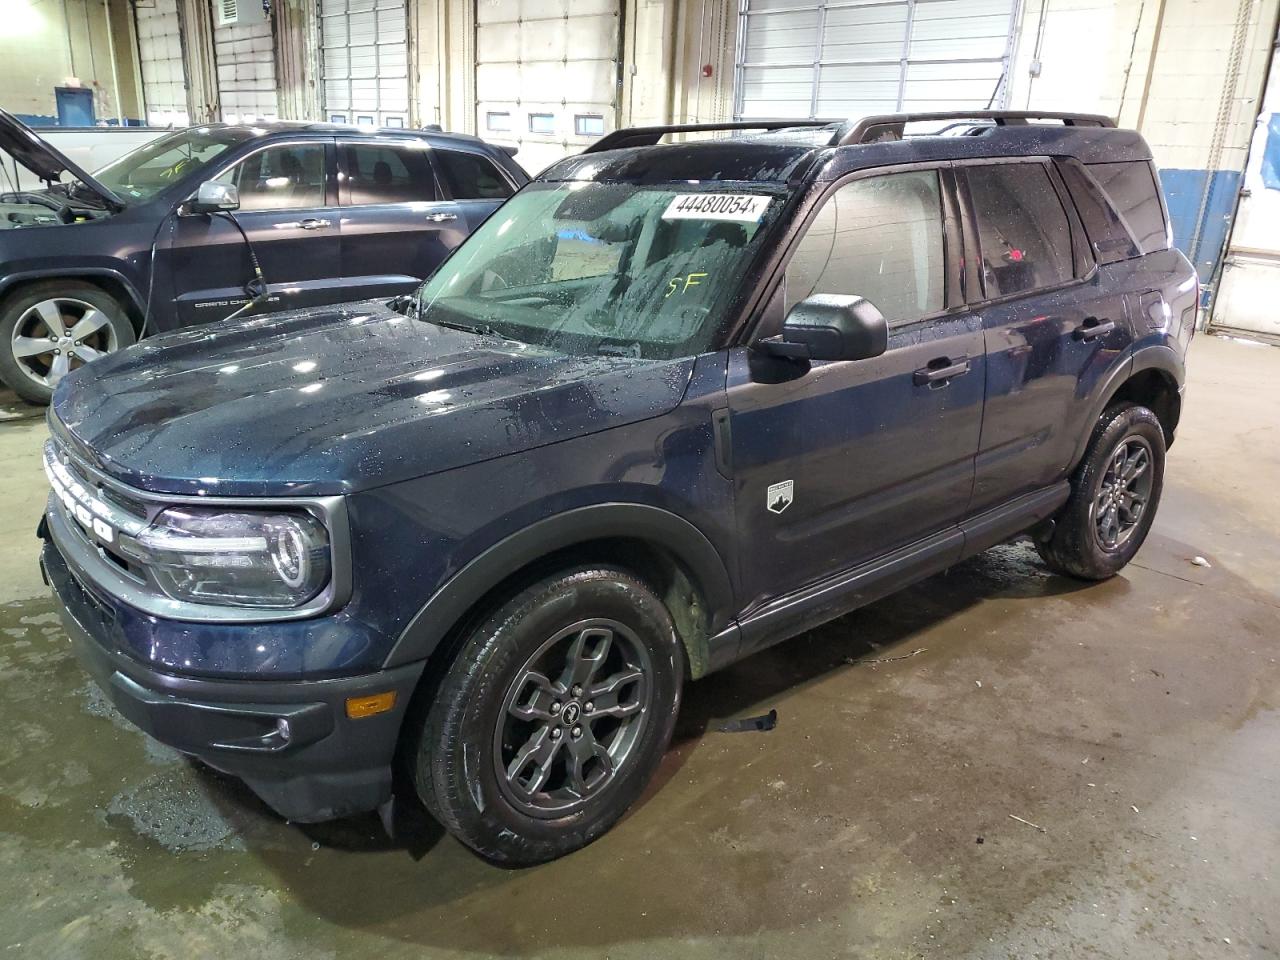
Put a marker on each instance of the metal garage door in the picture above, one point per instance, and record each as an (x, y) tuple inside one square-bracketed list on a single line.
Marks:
[(164, 85), (546, 75), (245, 57), (365, 60), (800, 58)]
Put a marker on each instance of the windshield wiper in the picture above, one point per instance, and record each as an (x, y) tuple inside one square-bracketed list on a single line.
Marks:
[(483, 329)]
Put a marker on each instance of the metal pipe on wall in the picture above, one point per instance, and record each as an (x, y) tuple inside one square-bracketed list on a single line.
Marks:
[(115, 73)]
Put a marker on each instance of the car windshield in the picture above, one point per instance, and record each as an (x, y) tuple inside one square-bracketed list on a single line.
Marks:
[(142, 173), (606, 268)]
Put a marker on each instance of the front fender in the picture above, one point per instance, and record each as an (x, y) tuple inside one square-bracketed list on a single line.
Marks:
[(631, 520)]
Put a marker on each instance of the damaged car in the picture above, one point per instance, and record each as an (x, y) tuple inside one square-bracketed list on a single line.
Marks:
[(214, 219)]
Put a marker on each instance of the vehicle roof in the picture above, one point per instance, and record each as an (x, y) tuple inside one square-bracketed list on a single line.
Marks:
[(277, 128), (794, 154)]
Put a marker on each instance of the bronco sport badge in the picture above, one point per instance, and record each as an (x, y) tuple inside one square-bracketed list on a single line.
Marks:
[(779, 496)]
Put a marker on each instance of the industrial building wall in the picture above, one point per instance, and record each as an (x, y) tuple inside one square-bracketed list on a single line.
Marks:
[(43, 44), (1188, 73)]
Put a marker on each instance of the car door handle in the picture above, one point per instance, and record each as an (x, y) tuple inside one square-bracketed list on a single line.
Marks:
[(442, 217), (942, 370), (314, 223), (1093, 328)]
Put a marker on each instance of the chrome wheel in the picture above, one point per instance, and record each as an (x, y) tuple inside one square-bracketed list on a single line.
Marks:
[(572, 718), (55, 336), (1123, 494)]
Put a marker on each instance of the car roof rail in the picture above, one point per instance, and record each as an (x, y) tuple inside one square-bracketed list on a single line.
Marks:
[(648, 136), (890, 126)]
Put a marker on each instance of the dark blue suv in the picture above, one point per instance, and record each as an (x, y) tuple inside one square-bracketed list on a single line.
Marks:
[(201, 222), (671, 404)]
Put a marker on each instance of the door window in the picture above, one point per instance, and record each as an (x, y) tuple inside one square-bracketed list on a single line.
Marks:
[(471, 177), (280, 178), (879, 238), (1022, 229), (388, 173)]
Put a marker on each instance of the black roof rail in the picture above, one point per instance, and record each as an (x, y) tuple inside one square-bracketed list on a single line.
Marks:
[(648, 136), (889, 126)]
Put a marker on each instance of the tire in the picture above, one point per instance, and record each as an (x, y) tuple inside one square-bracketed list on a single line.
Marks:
[(30, 317), (490, 708), (1103, 525)]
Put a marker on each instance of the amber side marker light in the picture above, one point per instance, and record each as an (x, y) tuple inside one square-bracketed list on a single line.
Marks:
[(358, 707)]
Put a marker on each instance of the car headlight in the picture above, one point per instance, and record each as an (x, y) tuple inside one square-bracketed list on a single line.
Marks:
[(212, 555)]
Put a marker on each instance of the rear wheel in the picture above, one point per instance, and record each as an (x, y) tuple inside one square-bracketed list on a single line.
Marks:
[(1115, 492), (51, 328), (552, 718)]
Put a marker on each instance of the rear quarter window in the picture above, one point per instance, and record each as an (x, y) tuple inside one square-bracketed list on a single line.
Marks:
[(1132, 190)]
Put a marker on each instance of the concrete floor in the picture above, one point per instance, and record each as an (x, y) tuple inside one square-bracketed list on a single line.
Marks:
[(1136, 722)]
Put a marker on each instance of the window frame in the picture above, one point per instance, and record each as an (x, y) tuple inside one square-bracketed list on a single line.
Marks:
[(330, 178), (344, 181), (766, 311), (1084, 266)]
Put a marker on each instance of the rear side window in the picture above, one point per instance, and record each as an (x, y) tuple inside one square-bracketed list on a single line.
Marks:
[(1131, 188), (388, 173), (879, 238), (471, 177), (1023, 230)]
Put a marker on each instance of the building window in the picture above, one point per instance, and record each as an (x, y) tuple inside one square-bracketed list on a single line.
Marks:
[(337, 118), (542, 123), (396, 123), (588, 125), (365, 120), (498, 121)]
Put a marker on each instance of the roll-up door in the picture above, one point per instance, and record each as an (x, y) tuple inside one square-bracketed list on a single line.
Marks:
[(365, 61), (546, 75), (245, 56), (798, 58), (164, 84)]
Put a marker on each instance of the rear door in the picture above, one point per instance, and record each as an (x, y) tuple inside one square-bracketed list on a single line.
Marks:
[(842, 461), (405, 206), (1052, 329), (396, 224), (287, 212)]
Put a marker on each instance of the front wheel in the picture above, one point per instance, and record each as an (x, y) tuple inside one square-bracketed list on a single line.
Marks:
[(552, 718), (53, 327), (1114, 495)]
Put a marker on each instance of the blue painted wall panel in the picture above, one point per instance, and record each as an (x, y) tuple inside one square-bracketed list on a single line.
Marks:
[(1183, 190)]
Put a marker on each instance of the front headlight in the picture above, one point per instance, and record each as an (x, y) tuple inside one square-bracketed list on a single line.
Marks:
[(212, 555)]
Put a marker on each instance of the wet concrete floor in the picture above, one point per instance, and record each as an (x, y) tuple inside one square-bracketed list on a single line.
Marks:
[(1132, 726)]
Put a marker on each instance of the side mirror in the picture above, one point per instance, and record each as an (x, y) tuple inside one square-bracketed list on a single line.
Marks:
[(831, 327), (214, 197)]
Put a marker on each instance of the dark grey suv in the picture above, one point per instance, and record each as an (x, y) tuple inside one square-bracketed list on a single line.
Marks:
[(671, 404), (196, 224)]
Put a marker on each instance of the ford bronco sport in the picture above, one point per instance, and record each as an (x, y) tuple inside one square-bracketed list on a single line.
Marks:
[(672, 403)]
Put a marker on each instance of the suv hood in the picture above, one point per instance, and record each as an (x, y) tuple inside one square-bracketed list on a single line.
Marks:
[(44, 160), (334, 401)]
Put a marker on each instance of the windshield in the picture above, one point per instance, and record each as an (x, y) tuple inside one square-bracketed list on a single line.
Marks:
[(606, 268), (144, 172)]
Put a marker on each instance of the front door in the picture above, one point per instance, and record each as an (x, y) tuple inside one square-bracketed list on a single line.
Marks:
[(286, 213), (839, 462), (1050, 335)]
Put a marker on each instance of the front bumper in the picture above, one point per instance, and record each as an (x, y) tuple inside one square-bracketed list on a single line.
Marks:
[(291, 741)]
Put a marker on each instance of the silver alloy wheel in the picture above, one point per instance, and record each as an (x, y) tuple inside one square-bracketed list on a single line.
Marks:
[(55, 336), (572, 718), (1123, 494)]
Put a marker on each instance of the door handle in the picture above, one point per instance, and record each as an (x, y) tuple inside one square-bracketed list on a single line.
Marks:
[(442, 217), (1092, 328), (313, 223), (942, 370)]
